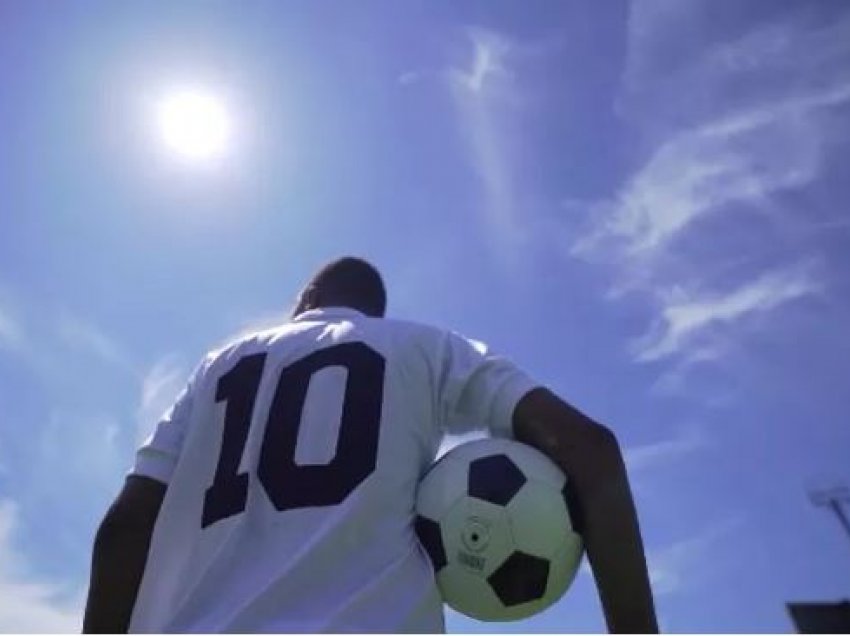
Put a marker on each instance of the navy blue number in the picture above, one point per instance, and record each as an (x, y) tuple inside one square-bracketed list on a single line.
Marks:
[(238, 389), (287, 484)]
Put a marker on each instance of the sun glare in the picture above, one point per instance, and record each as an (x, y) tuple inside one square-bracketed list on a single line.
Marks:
[(194, 124)]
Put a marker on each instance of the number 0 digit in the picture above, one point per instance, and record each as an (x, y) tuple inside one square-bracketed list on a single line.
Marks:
[(291, 486)]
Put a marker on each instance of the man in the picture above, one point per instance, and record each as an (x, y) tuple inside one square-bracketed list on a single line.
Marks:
[(277, 494)]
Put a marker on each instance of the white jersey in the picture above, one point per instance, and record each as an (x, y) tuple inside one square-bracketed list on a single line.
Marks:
[(292, 460)]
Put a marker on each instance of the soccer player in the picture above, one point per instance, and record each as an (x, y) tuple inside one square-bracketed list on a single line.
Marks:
[(277, 494)]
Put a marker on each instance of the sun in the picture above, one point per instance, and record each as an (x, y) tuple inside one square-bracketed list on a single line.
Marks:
[(194, 124)]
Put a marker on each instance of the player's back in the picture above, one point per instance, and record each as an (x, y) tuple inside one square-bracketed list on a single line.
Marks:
[(289, 507), (292, 461)]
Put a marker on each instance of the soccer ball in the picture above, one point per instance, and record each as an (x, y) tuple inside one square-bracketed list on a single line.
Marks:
[(494, 517)]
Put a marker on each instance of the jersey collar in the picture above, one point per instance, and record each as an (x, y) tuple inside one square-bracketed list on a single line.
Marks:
[(325, 313)]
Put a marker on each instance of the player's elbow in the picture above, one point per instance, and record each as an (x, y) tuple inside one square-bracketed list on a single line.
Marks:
[(596, 458), (590, 444), (600, 439), (564, 433)]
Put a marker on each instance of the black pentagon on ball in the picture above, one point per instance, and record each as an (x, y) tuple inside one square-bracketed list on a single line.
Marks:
[(432, 540), (520, 579), (494, 478)]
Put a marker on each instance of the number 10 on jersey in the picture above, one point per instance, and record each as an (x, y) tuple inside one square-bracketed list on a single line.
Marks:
[(287, 484)]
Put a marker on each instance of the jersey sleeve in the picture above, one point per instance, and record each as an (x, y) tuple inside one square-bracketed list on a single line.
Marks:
[(158, 454), (479, 389)]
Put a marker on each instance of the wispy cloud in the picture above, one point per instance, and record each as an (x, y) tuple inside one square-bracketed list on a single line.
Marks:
[(85, 337), (490, 50), (482, 91), (28, 603), (80, 449), (671, 45), (11, 331), (160, 387), (684, 563), (48, 341), (73, 451), (729, 128), (735, 122), (673, 379), (684, 320), (648, 456), (495, 86), (743, 158)]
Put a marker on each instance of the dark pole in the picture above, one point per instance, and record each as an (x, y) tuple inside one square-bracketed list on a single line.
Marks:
[(835, 504), (833, 498), (825, 618)]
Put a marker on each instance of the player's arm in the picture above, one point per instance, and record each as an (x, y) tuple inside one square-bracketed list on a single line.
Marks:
[(120, 552), (590, 456), (124, 537)]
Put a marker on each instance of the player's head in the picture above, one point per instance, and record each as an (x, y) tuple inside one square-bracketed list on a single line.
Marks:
[(345, 282)]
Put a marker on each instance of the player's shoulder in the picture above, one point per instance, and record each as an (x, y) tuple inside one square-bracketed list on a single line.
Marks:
[(401, 335), (244, 344), (434, 341), (410, 331)]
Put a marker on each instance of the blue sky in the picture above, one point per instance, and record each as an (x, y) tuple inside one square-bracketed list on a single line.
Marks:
[(643, 204)]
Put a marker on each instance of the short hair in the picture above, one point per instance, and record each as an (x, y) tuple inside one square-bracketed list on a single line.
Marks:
[(350, 282)]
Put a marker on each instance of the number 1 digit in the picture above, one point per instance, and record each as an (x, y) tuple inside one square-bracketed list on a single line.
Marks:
[(238, 388)]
